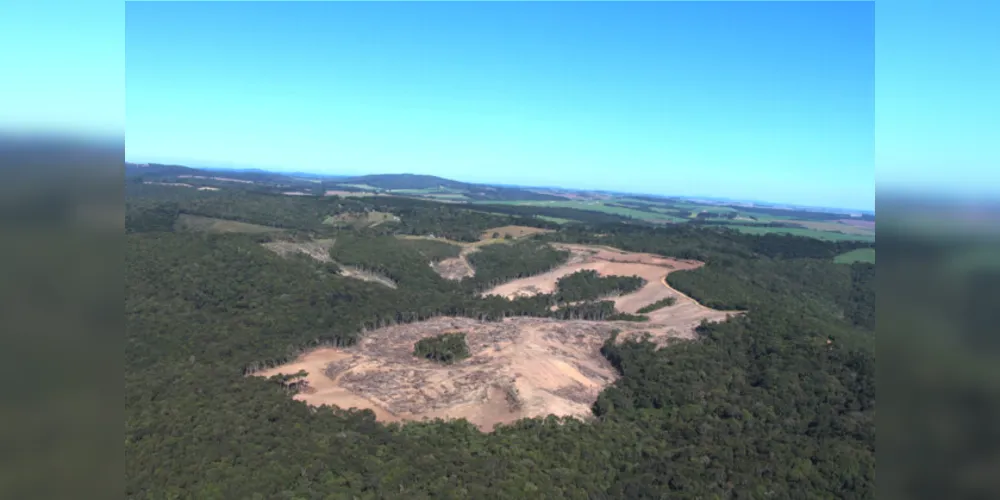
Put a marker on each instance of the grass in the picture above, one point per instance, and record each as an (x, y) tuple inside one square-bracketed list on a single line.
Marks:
[(831, 226), (188, 222), (595, 206), (557, 220), (858, 255), (809, 233)]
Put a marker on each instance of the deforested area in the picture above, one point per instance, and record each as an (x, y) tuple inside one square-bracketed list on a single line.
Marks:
[(785, 380)]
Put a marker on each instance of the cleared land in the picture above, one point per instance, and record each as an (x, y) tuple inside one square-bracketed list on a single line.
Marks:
[(520, 367), (361, 219), (859, 255), (188, 222), (456, 268)]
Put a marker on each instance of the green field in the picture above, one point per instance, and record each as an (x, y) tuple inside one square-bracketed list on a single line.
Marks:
[(597, 206), (859, 255), (810, 233), (557, 220)]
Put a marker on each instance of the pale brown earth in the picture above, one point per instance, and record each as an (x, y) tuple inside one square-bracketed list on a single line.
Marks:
[(513, 231), (317, 249), (456, 268), (520, 367)]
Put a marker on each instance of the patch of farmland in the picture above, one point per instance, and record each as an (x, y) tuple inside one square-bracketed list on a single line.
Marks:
[(857, 255)]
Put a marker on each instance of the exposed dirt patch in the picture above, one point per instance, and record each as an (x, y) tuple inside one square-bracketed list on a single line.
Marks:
[(520, 367), (456, 268), (359, 274), (512, 231), (317, 249)]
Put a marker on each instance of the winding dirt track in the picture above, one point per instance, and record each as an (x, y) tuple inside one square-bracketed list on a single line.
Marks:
[(520, 367)]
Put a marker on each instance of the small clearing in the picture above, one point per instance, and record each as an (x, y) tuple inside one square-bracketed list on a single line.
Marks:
[(456, 268), (519, 368), (360, 219), (317, 249), (512, 231), (188, 222)]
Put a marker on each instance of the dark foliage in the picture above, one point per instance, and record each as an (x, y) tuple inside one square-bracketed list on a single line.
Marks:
[(446, 348), (588, 285), (659, 304), (502, 262)]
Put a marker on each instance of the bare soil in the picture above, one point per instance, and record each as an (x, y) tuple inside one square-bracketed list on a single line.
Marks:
[(519, 368), (456, 268), (317, 249)]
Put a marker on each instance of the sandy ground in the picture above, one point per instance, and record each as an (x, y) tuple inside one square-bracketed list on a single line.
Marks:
[(456, 268), (520, 367)]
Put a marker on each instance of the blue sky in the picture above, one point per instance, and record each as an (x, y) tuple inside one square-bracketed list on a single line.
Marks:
[(768, 101)]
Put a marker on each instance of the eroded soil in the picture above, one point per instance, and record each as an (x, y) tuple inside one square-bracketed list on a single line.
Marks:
[(520, 367)]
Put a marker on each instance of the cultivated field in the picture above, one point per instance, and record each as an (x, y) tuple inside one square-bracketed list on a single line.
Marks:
[(833, 226), (859, 255), (810, 233), (520, 367)]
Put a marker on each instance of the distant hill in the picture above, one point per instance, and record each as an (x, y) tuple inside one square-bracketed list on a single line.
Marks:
[(407, 181), (433, 184)]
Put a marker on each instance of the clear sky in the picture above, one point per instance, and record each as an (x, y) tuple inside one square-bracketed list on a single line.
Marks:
[(767, 101)]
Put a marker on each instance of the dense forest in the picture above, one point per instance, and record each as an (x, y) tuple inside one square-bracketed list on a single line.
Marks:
[(587, 284), (776, 403), (446, 348)]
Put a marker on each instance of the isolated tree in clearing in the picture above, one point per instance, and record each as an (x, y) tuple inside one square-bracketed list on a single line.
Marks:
[(445, 348)]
